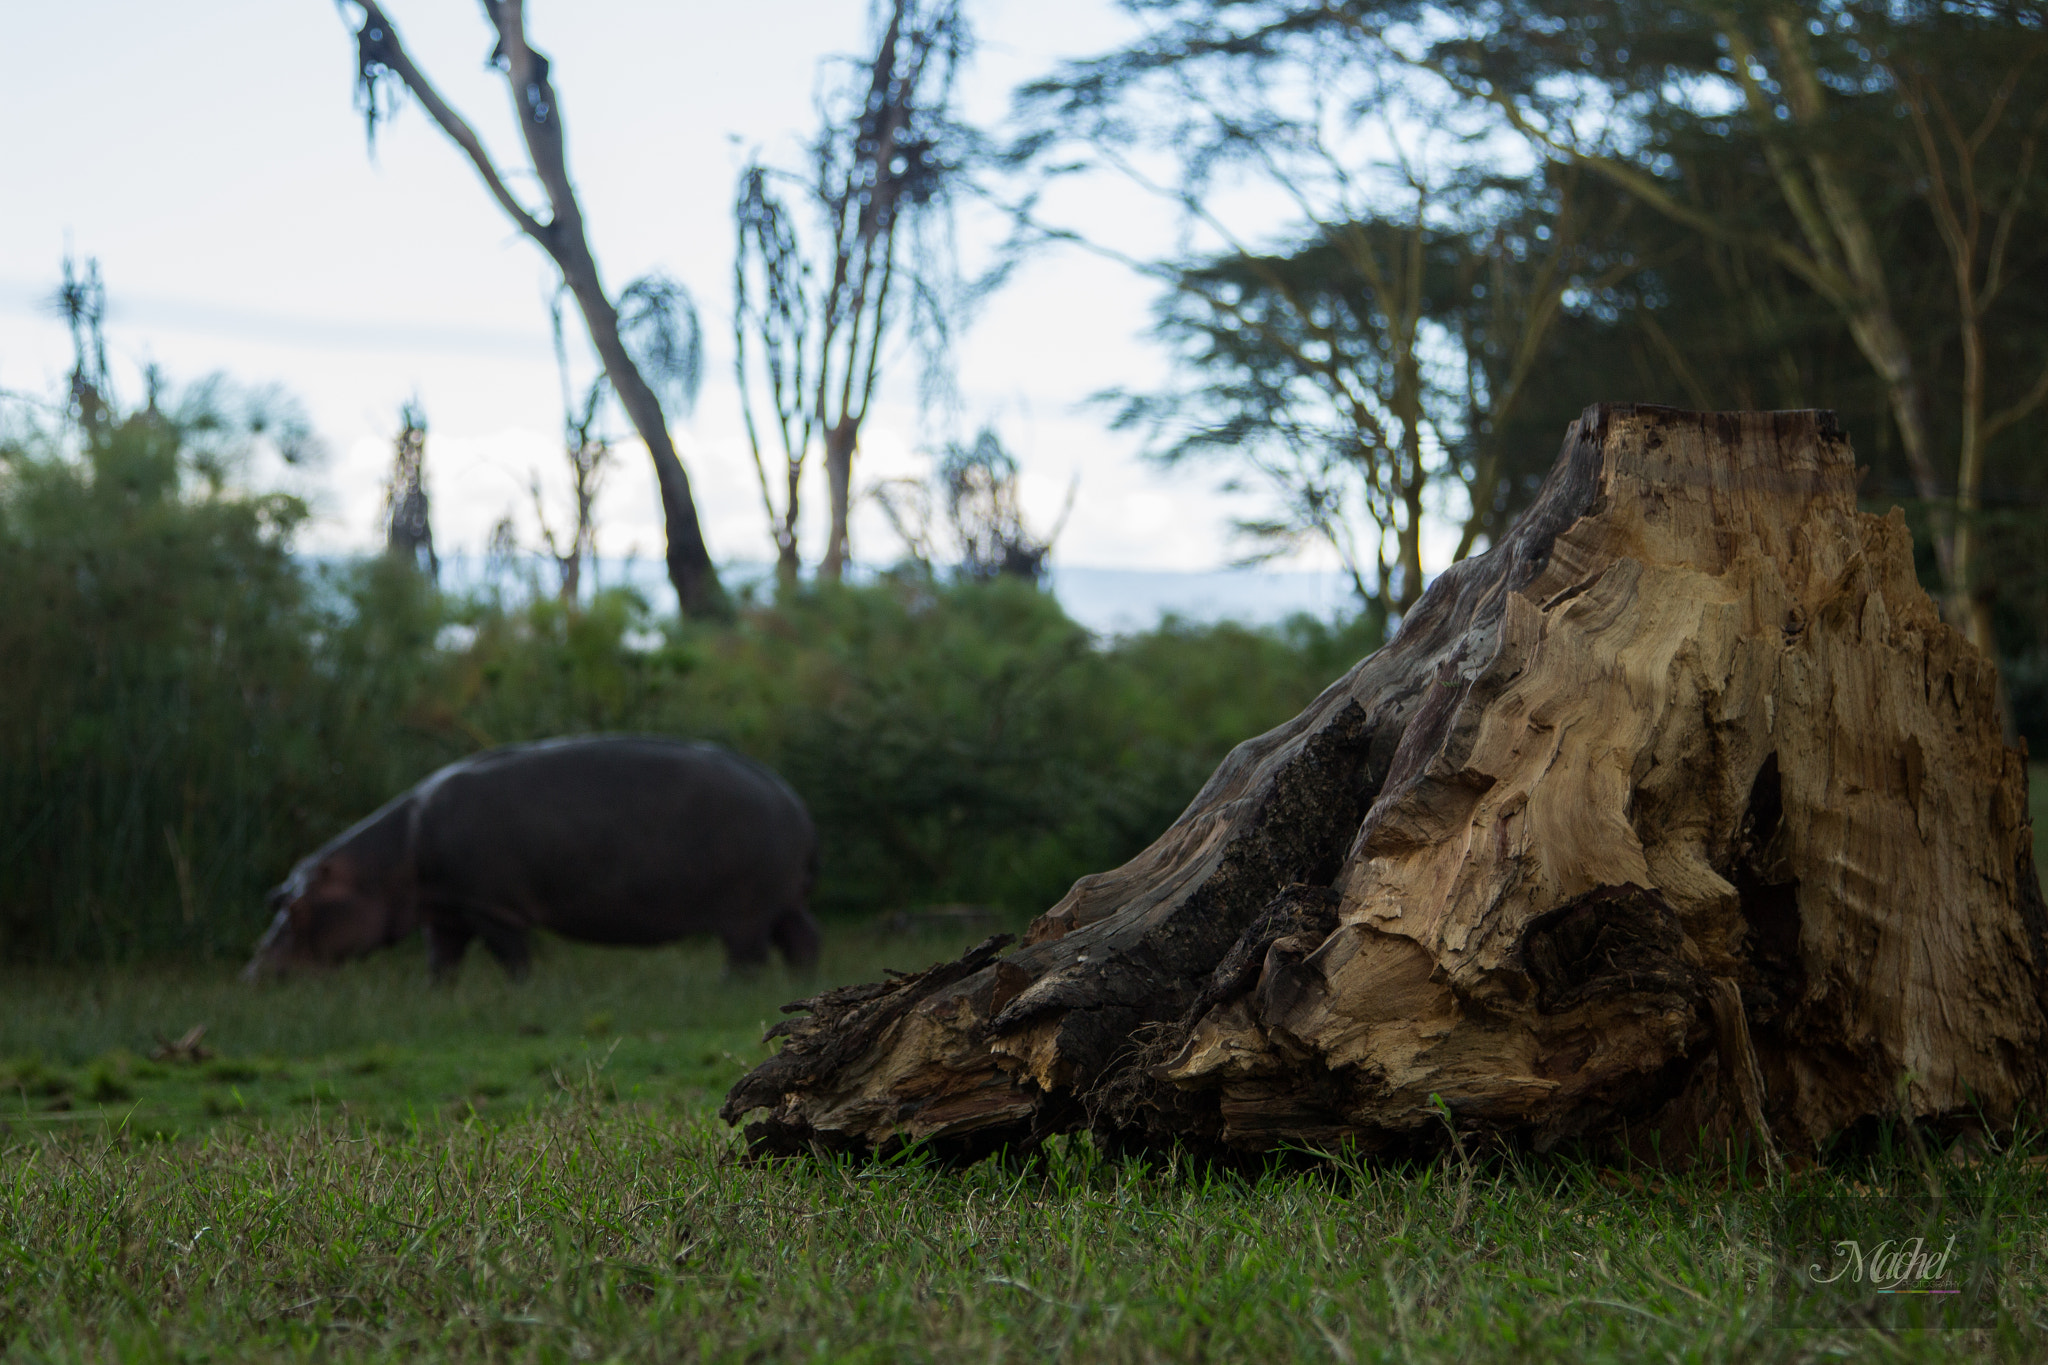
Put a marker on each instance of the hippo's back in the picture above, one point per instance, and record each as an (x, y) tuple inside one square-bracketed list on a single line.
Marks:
[(613, 838)]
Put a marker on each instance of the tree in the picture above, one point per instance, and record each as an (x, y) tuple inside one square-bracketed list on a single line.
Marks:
[(634, 374), (660, 324), (82, 302), (1675, 821), (408, 516), (588, 452), (1830, 103), (1840, 176), (1383, 346), (987, 514), (816, 310), (975, 487), (1379, 359), (214, 423), (772, 313)]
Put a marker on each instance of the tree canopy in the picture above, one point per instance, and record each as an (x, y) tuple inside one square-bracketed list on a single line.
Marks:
[(1497, 212)]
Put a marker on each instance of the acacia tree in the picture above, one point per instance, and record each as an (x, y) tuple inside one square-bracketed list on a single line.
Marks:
[(1360, 370), (1859, 168), (817, 310), (634, 372), (1380, 350), (1829, 103)]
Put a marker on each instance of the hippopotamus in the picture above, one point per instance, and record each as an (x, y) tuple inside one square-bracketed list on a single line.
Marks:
[(619, 839)]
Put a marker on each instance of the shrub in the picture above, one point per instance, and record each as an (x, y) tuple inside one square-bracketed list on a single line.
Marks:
[(177, 711)]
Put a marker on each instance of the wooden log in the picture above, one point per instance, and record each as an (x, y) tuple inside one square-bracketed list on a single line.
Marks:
[(1677, 820)]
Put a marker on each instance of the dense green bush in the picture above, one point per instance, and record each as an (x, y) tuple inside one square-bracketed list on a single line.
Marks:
[(177, 715), (185, 708)]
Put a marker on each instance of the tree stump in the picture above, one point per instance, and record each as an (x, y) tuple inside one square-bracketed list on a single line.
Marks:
[(1675, 822)]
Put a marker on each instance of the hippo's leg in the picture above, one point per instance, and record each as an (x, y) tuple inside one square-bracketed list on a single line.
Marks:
[(798, 936), (510, 945), (447, 941), (746, 950)]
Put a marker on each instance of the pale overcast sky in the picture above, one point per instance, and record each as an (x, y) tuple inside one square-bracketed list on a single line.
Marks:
[(210, 158)]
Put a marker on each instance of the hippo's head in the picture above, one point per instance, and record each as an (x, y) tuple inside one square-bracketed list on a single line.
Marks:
[(324, 913)]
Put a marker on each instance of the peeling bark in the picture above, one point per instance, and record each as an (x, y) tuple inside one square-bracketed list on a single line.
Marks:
[(1677, 820)]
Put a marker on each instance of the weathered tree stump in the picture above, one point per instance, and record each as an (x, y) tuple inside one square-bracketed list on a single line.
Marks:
[(1678, 820)]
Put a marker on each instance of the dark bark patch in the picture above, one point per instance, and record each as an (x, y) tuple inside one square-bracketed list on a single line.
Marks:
[(2033, 913), (1769, 899), (1611, 941), (1299, 833), (1298, 911), (841, 1025)]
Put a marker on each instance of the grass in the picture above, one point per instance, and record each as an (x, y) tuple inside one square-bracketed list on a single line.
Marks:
[(369, 1170), (373, 1044)]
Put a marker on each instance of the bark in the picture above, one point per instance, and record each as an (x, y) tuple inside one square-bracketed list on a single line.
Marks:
[(689, 559), (841, 440), (1677, 820)]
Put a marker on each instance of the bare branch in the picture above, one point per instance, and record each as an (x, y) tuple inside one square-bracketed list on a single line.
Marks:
[(379, 50)]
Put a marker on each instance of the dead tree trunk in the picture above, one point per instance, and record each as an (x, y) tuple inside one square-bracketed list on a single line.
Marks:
[(380, 55), (1677, 820)]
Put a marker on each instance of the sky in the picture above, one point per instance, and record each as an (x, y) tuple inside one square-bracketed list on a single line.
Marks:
[(211, 159)]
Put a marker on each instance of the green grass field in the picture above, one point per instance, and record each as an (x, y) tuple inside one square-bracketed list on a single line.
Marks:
[(372, 1045), (370, 1169)]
